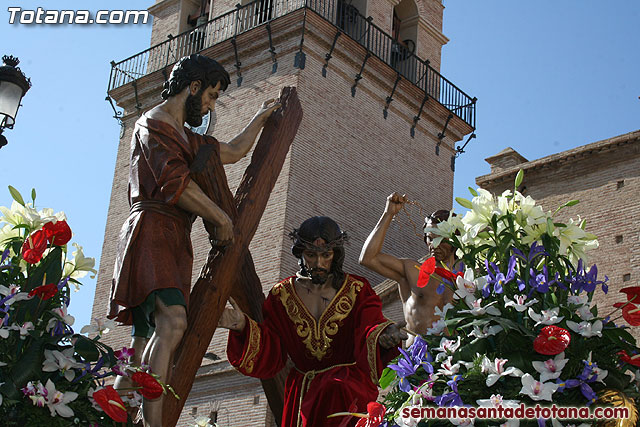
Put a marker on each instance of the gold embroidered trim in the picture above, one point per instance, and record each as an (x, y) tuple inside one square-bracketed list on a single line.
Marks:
[(316, 335), (253, 347), (372, 343)]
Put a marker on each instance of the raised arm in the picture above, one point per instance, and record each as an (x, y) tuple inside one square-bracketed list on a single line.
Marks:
[(371, 256), (239, 146)]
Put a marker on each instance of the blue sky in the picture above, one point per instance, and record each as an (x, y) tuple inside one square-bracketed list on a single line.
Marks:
[(548, 75)]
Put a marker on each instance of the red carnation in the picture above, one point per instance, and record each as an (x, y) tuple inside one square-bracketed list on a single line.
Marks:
[(633, 360), (34, 247), (151, 388), (111, 403), (59, 233), (428, 267), (45, 291), (552, 340), (375, 415)]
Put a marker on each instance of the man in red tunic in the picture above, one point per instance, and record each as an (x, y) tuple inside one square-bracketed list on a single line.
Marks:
[(328, 322), (152, 273)]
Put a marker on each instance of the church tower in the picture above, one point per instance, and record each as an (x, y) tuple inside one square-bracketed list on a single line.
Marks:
[(378, 117)]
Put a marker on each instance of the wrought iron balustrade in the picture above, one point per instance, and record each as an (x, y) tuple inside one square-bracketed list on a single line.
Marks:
[(259, 12)]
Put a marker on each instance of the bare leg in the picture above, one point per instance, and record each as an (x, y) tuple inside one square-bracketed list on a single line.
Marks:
[(171, 322)]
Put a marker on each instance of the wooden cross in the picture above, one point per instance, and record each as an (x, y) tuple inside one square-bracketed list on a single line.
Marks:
[(232, 272)]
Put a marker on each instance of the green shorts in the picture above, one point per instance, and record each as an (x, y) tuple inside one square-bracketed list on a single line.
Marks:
[(143, 321)]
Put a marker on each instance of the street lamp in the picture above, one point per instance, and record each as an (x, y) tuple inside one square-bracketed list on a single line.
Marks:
[(13, 86)]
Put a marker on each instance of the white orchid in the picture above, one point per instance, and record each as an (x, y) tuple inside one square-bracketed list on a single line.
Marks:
[(448, 368), (467, 284), (585, 313), (547, 317), (487, 330), (437, 327), (99, 327), (15, 291), (601, 374), (443, 313), (519, 302), (496, 401), (23, 329), (537, 390), (79, 266), (57, 401), (478, 310), (586, 329), (550, 369), (60, 315), (62, 361), (447, 347), (496, 369)]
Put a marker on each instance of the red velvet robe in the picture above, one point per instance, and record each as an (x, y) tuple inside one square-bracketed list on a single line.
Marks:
[(337, 360)]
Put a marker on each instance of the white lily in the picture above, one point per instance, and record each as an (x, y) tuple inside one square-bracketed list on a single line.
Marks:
[(478, 310), (57, 401), (586, 329), (551, 368), (537, 390), (547, 317), (519, 302), (496, 369), (61, 361), (79, 266), (99, 327)]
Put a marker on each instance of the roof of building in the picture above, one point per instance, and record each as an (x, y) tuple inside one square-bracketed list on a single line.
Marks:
[(555, 159)]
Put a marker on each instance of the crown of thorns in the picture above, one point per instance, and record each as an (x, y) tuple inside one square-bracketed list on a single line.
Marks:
[(308, 244)]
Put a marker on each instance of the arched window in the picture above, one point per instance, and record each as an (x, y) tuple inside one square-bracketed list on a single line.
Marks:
[(405, 34)]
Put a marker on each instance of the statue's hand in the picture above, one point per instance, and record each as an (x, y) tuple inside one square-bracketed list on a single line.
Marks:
[(268, 107), (224, 232), (393, 335), (395, 202), (232, 318)]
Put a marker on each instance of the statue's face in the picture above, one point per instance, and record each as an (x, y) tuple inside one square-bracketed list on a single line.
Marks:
[(443, 251), (199, 103), (318, 263)]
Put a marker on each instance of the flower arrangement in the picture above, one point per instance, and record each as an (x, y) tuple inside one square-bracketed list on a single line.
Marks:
[(521, 328), (49, 374)]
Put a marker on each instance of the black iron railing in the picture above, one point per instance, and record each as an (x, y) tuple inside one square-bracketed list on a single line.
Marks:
[(342, 15)]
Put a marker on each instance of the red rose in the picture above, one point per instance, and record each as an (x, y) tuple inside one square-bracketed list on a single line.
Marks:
[(34, 247), (151, 388), (375, 415), (111, 403), (59, 233), (428, 267), (45, 291), (633, 360), (552, 340)]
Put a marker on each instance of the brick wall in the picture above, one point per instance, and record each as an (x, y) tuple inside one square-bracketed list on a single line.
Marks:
[(605, 177)]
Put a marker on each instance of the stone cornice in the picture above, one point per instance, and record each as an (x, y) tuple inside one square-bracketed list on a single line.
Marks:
[(432, 31), (157, 8), (557, 159)]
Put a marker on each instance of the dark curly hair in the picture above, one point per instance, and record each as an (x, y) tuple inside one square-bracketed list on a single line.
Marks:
[(192, 68), (326, 229)]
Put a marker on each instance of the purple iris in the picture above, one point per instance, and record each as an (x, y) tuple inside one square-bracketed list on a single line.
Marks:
[(498, 279), (404, 368), (587, 280), (418, 354), (540, 281), (5, 255), (452, 398), (586, 376), (534, 252)]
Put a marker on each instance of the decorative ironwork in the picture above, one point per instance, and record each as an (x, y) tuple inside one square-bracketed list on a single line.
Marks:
[(417, 117), (260, 12), (441, 135), (328, 56), (272, 50), (301, 57), (359, 75), (390, 97)]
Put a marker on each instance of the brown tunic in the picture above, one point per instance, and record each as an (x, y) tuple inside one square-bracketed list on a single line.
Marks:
[(154, 248)]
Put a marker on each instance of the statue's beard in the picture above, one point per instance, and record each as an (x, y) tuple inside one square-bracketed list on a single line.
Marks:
[(319, 276), (193, 107)]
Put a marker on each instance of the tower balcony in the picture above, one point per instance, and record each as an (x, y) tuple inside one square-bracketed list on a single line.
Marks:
[(347, 21)]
